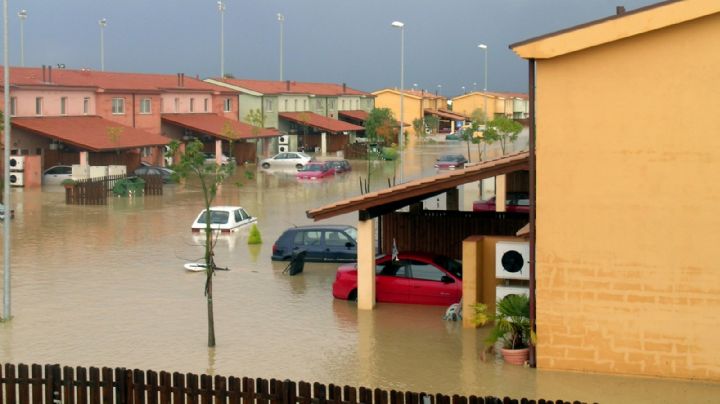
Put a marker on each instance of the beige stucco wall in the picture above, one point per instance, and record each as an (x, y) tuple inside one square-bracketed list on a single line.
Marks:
[(412, 108), (628, 227), (466, 105)]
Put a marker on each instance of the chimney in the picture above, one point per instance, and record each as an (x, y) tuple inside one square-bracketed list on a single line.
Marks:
[(178, 80), (287, 85), (619, 10), (43, 76), (344, 88), (49, 74), (182, 79)]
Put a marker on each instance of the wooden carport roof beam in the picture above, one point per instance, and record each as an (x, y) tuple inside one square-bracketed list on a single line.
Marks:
[(387, 200)]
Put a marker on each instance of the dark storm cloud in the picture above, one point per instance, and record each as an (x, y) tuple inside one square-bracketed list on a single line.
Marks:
[(325, 40)]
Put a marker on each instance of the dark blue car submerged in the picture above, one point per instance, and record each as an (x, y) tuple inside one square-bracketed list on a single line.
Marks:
[(321, 243)]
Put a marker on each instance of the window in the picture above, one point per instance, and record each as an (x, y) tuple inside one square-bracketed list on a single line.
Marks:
[(308, 238), (145, 106), (216, 217), (285, 107), (319, 104), (13, 106), (86, 105), (295, 104), (38, 105), (393, 268), (192, 104), (177, 104), (147, 151), (343, 104), (118, 106), (206, 105), (304, 105), (427, 272), (227, 105), (332, 104), (63, 105), (268, 105), (162, 104), (336, 238)]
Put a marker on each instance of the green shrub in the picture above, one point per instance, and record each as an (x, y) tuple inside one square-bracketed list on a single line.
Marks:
[(389, 153), (254, 237)]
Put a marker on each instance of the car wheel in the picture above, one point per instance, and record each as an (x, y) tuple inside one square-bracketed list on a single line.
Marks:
[(353, 295), (265, 165), (298, 166)]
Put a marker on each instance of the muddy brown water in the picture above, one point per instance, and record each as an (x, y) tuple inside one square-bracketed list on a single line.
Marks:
[(105, 286)]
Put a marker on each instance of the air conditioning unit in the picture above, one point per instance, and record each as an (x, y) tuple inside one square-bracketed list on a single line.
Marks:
[(283, 148), (502, 291), (17, 179), (17, 163), (283, 139), (512, 260)]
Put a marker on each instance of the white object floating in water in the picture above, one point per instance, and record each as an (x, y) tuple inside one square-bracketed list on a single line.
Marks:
[(195, 267)]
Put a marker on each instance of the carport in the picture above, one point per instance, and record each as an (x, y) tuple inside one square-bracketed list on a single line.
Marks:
[(377, 204)]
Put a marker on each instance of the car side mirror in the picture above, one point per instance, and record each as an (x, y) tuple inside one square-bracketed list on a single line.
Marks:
[(447, 279)]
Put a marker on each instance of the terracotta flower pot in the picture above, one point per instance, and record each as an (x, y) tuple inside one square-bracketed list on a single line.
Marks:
[(516, 356)]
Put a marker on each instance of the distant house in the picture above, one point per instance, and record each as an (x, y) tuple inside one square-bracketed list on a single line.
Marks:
[(627, 228), (509, 105), (417, 105), (308, 113)]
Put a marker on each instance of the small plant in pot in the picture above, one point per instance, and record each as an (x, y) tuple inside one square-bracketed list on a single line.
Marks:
[(68, 183), (512, 328)]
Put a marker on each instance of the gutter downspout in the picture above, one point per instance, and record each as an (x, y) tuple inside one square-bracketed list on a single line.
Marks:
[(533, 205), (133, 109)]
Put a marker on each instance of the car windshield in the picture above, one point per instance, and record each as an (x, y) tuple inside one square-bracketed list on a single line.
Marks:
[(216, 217), (313, 167), (449, 158), (452, 266)]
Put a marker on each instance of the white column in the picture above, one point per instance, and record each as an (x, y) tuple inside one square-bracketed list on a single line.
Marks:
[(366, 264), (500, 193), (84, 158), (218, 152), (323, 143)]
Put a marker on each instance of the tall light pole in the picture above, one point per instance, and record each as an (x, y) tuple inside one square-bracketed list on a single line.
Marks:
[(485, 48), (439, 89), (221, 9), (22, 15), (6, 170), (401, 26), (103, 24), (281, 20)]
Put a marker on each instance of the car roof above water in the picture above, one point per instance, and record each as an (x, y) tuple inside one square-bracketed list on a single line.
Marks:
[(322, 226)]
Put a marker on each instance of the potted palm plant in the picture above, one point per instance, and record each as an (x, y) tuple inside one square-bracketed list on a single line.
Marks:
[(511, 327)]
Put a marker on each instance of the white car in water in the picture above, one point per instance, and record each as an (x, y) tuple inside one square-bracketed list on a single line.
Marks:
[(286, 160), (223, 219)]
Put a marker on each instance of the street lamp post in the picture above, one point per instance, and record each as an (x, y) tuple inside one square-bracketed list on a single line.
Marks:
[(485, 48), (281, 20), (221, 9), (401, 26), (6, 169), (439, 89), (22, 14), (103, 24)]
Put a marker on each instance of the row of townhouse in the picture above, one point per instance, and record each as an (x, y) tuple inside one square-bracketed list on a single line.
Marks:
[(64, 116), (419, 104)]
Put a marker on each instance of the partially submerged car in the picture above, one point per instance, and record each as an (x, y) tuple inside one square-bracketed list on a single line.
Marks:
[(450, 161), (340, 166), (285, 160), (312, 171), (321, 243), (514, 202), (223, 219)]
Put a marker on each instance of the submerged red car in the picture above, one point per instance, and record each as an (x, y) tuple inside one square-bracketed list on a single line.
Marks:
[(414, 278), (316, 170), (450, 161), (514, 202)]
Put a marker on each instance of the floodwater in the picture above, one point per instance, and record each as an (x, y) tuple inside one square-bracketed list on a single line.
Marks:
[(105, 286)]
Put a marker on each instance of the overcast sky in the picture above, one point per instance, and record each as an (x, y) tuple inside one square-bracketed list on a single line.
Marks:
[(325, 40)]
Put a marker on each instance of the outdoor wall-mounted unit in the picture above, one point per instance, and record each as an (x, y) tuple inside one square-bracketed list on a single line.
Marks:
[(17, 179), (283, 148), (502, 291), (17, 163), (283, 139), (512, 260)]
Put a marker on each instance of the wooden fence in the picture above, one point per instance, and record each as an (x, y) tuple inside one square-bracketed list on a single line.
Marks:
[(95, 191), (51, 384), (442, 232)]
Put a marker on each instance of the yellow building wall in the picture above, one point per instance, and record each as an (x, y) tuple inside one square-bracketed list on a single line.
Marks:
[(467, 105), (628, 196), (411, 107)]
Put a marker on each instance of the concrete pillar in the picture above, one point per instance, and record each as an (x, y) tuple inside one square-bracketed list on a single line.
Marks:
[(500, 193), (366, 347), (323, 143), (452, 199), (366, 264), (472, 277), (218, 152), (84, 158)]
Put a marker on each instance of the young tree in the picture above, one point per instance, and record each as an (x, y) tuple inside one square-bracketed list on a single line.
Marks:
[(381, 124), (433, 123), (191, 163), (419, 127), (504, 130), (255, 118)]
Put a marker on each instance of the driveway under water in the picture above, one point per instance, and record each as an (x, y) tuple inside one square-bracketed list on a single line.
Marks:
[(105, 286)]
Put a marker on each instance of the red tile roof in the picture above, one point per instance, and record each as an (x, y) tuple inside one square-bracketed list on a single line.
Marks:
[(90, 132), (495, 94), (424, 187), (412, 93), (114, 81), (319, 121), (355, 114), (293, 87), (218, 126), (442, 113)]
